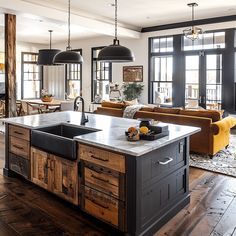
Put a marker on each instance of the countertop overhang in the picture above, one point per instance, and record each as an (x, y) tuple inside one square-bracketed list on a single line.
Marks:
[(112, 131)]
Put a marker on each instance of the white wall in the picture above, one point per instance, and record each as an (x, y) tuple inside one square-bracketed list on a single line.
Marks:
[(138, 46), (54, 80)]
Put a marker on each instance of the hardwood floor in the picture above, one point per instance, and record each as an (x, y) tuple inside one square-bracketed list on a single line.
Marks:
[(28, 210)]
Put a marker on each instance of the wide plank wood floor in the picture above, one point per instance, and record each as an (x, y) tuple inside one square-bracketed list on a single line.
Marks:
[(27, 210)]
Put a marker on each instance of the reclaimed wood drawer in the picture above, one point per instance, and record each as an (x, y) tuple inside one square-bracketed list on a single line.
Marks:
[(19, 165), (19, 132), (105, 180), (103, 207), (102, 157), (19, 147), (164, 161)]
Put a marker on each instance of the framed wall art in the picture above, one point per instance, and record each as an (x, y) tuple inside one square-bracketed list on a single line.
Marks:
[(133, 73)]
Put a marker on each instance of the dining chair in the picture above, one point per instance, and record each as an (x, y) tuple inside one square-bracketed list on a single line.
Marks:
[(2, 108), (29, 109)]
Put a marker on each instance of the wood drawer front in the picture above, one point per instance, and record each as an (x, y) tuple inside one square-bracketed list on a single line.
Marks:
[(166, 160), (19, 165), (102, 181), (19, 147), (101, 157), (103, 207), (19, 132)]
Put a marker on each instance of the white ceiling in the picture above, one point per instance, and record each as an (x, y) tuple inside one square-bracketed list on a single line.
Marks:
[(90, 18)]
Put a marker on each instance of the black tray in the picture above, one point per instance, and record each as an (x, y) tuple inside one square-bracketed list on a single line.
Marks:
[(154, 136)]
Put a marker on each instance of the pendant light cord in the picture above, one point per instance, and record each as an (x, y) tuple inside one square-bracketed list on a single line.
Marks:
[(68, 47), (50, 43), (115, 19), (192, 12)]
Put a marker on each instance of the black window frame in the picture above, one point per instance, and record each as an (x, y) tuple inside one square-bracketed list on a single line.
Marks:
[(93, 61), (40, 72), (152, 55), (67, 67)]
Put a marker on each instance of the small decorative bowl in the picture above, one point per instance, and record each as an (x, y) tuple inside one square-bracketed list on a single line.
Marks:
[(145, 122), (132, 136), (46, 99)]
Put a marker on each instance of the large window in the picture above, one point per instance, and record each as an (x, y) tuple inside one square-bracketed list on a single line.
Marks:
[(212, 40), (101, 77), (199, 73), (31, 73), (74, 78), (161, 77)]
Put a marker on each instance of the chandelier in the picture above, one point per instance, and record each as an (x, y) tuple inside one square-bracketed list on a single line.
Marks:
[(194, 31)]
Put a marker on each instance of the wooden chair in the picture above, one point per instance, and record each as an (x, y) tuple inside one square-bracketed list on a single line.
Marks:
[(29, 109), (2, 108)]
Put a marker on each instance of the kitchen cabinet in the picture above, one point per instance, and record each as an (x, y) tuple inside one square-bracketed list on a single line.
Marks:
[(40, 168), (103, 184), (65, 178), (19, 150), (55, 174)]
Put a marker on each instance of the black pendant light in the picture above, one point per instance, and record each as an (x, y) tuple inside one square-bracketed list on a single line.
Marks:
[(68, 56), (116, 52), (45, 56)]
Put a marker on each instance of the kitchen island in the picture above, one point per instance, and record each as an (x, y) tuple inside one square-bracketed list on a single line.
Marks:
[(135, 187)]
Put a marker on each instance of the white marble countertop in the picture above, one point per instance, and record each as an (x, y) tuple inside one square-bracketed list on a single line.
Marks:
[(111, 134)]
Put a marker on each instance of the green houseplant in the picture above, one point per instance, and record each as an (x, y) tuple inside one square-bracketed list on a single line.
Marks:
[(132, 91)]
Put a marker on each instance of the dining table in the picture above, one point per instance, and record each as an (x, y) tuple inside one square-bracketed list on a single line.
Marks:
[(51, 106), (54, 102)]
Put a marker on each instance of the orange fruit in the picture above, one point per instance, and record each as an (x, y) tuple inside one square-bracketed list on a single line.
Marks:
[(132, 129), (144, 130)]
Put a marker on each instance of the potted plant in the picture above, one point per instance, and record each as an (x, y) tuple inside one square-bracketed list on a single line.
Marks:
[(132, 91)]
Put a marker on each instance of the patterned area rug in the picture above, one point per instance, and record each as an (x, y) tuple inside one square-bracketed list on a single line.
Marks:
[(224, 162)]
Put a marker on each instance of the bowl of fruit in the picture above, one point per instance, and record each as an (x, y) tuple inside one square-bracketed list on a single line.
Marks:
[(132, 134)]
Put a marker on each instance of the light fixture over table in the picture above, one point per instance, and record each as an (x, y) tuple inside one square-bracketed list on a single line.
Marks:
[(68, 56), (194, 31), (115, 52), (45, 56)]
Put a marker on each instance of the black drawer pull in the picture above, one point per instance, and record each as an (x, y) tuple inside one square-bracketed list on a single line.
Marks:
[(17, 132), (101, 179), (18, 147), (99, 204), (169, 159), (99, 158)]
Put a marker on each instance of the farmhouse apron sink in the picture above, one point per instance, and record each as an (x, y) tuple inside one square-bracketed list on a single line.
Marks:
[(58, 139)]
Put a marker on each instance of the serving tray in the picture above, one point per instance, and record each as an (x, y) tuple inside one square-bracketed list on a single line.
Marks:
[(154, 136)]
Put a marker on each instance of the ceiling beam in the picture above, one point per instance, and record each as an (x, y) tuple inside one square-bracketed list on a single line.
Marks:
[(53, 14), (189, 23)]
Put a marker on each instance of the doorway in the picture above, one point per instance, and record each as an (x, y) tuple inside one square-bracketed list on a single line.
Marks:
[(203, 80)]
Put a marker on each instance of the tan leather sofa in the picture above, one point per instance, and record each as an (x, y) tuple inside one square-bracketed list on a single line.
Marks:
[(214, 134)]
